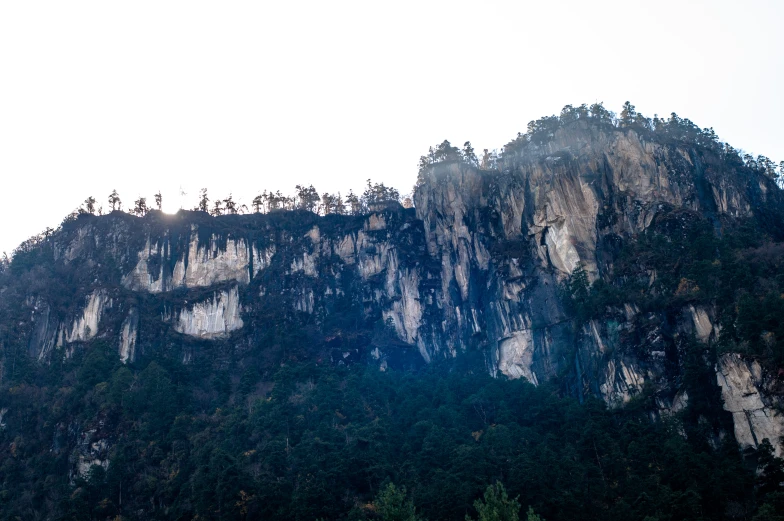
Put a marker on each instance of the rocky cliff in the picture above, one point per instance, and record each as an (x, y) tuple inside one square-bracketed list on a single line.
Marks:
[(478, 267)]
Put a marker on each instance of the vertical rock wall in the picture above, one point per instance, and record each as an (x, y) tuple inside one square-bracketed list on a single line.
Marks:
[(755, 413)]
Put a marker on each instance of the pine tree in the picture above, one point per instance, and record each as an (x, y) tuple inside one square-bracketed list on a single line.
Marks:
[(257, 204), (140, 206), (469, 156), (114, 200), (393, 505), (533, 516), (628, 114), (90, 204), (230, 205), (770, 469), (307, 198), (497, 506), (204, 201)]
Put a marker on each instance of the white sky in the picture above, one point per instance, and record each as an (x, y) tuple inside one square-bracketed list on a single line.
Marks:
[(242, 96)]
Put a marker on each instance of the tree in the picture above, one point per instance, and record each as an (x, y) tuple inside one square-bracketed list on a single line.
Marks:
[(217, 210), (628, 114), (326, 200), (377, 194), (393, 505), (229, 205), (533, 516), (577, 288), (159, 200), (277, 201), (140, 206), (355, 207), (599, 112), (770, 469), (258, 203), (469, 156), (89, 204), (424, 164), (767, 166), (568, 114), (307, 197), (339, 207), (114, 200), (772, 509), (4, 262), (497, 506), (489, 160), (204, 201), (332, 204), (446, 152)]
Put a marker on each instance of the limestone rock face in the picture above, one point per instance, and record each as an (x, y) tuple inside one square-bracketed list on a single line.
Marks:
[(85, 326), (213, 318), (44, 334), (504, 241), (755, 413), (207, 264), (475, 267), (128, 334), (203, 264), (516, 355)]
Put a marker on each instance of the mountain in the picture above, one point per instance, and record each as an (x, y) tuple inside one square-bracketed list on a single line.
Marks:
[(607, 275)]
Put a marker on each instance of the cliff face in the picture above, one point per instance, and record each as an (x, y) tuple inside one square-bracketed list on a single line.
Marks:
[(476, 267), (506, 241)]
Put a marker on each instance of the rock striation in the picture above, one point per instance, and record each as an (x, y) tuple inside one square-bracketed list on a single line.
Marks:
[(477, 266), (213, 318)]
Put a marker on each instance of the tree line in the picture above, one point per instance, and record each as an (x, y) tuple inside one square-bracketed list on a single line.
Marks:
[(374, 197), (542, 130)]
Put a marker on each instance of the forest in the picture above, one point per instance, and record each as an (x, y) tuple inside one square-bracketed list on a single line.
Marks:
[(287, 427), (310, 441), (281, 432)]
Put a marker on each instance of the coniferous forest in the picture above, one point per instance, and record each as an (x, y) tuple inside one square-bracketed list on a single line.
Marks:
[(298, 420)]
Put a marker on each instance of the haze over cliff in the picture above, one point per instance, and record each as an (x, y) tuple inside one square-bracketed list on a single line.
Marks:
[(621, 260)]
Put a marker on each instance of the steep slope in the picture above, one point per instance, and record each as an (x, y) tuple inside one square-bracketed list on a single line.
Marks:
[(616, 263), (506, 240)]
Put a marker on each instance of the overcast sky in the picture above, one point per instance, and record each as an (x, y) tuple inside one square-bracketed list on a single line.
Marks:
[(244, 96)]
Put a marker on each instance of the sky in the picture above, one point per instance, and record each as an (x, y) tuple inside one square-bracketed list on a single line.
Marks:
[(240, 96)]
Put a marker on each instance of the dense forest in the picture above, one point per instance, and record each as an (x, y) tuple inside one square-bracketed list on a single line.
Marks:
[(281, 429), (311, 441)]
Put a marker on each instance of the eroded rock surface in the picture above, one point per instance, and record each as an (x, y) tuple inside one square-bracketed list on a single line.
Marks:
[(475, 267), (754, 412), (214, 318)]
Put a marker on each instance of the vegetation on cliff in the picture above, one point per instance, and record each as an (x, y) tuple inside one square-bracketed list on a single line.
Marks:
[(294, 419)]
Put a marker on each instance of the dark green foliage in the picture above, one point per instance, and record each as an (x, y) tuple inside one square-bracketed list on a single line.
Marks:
[(392, 504), (681, 260), (274, 425), (497, 505), (772, 509), (770, 473), (318, 441)]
